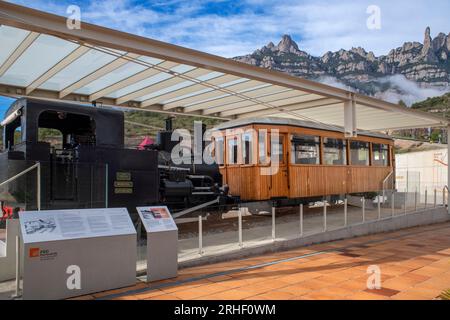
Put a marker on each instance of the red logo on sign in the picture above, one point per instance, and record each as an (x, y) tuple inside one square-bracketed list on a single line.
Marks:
[(34, 252)]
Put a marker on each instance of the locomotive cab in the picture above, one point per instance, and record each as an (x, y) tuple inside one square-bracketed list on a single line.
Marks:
[(81, 153)]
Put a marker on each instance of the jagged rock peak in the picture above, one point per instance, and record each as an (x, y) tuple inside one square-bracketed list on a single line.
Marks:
[(427, 64), (359, 51), (427, 50), (288, 45), (427, 35)]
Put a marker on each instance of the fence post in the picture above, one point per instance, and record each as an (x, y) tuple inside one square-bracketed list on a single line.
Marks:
[(273, 224), (426, 198), (435, 198), (17, 293), (200, 235), (415, 201), (363, 199), (443, 197), (240, 228), (324, 216), (404, 203), (345, 211), (301, 220), (379, 207), (393, 203), (38, 186), (106, 186)]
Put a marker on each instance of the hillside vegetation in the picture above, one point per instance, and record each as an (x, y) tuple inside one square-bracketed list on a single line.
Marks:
[(439, 105), (134, 134)]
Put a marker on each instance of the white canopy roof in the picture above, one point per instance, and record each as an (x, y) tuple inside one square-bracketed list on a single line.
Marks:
[(41, 57)]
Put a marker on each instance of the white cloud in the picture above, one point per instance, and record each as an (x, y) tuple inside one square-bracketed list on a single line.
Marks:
[(407, 90), (318, 25), (331, 81), (400, 88)]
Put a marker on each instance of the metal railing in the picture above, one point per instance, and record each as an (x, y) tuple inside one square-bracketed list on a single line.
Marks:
[(327, 217), (36, 166)]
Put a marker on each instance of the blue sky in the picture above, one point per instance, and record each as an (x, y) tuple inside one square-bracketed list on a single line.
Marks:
[(231, 28), (4, 104)]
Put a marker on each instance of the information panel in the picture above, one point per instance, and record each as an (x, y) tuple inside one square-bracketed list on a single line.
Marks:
[(39, 226), (157, 219), (68, 253), (162, 242)]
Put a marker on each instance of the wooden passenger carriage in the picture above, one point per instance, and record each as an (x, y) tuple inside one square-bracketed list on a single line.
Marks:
[(314, 160)]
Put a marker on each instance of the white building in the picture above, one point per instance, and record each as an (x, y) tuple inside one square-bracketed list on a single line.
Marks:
[(423, 170)]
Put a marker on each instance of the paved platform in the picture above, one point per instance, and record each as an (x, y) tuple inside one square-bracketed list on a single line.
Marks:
[(414, 264), (258, 233)]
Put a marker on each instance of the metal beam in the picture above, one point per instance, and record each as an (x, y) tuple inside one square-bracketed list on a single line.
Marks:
[(162, 85), (17, 53), (71, 57), (18, 92), (276, 96), (380, 104), (114, 65), (208, 96), (178, 94), (234, 93), (295, 107), (150, 72), (273, 104), (137, 124)]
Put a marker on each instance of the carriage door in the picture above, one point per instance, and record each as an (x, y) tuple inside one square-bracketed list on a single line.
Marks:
[(279, 178)]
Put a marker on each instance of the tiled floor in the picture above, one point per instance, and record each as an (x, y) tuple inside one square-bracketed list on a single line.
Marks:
[(257, 230), (414, 264)]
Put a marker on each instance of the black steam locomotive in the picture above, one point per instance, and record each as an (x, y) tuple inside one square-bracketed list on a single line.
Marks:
[(90, 167)]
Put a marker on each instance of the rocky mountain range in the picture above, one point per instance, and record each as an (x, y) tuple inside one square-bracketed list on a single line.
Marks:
[(410, 73)]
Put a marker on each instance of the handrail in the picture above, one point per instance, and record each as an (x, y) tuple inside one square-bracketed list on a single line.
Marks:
[(388, 176), (35, 166), (385, 180)]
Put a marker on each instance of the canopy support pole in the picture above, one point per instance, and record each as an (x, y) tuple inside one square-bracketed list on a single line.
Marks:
[(350, 118)]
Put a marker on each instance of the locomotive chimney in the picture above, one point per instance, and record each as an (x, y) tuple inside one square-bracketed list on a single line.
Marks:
[(169, 125)]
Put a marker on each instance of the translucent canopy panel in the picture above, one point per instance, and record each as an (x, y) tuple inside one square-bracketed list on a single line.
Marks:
[(123, 72), (10, 38), (90, 61), (40, 57)]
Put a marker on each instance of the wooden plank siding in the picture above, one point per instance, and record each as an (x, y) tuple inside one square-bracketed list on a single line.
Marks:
[(298, 180)]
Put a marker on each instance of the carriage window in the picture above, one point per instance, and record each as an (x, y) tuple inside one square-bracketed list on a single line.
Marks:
[(219, 150), (277, 147), (335, 152), (262, 142), (233, 150), (305, 149), (247, 148), (380, 154), (359, 153)]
